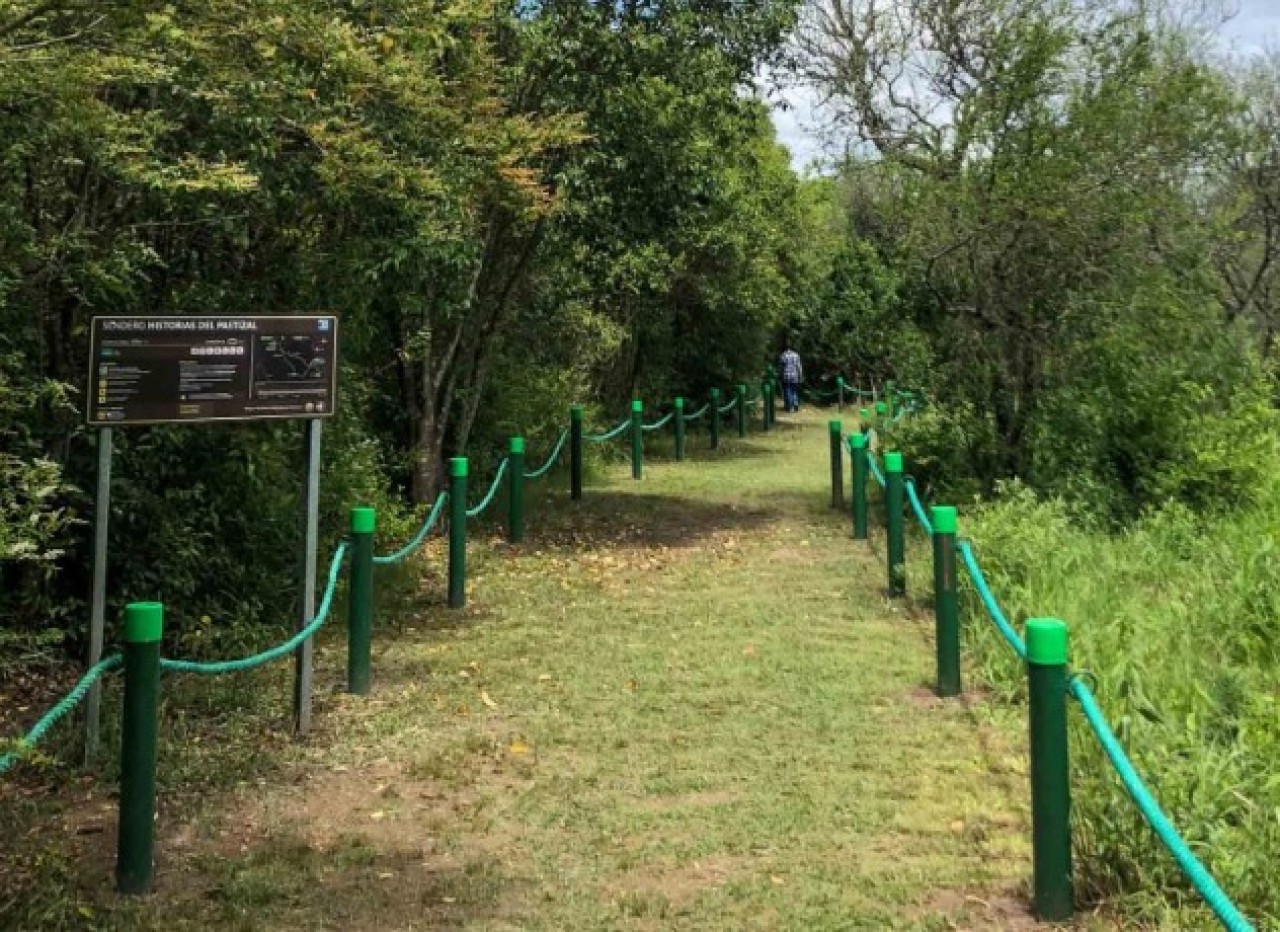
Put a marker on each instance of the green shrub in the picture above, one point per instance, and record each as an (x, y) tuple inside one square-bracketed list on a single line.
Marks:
[(947, 447), (1177, 620)]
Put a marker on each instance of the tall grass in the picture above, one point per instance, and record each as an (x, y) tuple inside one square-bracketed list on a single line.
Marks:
[(1177, 619)]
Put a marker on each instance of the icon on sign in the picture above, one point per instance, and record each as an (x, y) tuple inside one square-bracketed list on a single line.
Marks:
[(322, 325)]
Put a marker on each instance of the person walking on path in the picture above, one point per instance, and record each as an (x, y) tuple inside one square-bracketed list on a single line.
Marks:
[(792, 372)]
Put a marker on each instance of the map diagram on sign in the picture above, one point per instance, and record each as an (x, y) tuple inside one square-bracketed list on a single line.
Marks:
[(288, 360)]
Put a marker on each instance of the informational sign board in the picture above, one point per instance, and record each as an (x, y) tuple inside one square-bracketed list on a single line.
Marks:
[(164, 370)]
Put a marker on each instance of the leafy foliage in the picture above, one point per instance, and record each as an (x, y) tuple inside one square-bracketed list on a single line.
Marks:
[(511, 208)]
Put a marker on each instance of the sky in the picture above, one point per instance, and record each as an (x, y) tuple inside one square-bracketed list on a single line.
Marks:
[(1255, 26)]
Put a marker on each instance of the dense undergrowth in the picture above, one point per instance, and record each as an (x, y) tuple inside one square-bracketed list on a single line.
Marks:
[(1175, 620)]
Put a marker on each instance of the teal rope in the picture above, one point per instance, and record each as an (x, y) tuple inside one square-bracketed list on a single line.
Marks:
[(875, 469), (989, 600), (725, 409), (658, 424), (551, 460), (68, 702), (918, 507), (493, 490), (697, 414), (1226, 911), (418, 538), (609, 434), (280, 650)]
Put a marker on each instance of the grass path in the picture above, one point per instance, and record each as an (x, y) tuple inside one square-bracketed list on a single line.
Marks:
[(685, 703)]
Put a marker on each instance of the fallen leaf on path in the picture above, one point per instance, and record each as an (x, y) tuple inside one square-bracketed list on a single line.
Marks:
[(484, 697), (518, 748)]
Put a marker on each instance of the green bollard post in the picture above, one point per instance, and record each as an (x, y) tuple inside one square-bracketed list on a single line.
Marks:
[(575, 452), (714, 413), (837, 464), (1050, 769), (515, 490), (946, 605), (458, 532), (840, 395), (864, 415), (858, 469), (881, 418), (742, 409), (135, 839), (770, 407), (637, 439), (893, 524), (679, 419), (888, 399), (360, 600)]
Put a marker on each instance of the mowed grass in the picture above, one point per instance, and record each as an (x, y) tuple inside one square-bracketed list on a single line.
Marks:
[(684, 703)]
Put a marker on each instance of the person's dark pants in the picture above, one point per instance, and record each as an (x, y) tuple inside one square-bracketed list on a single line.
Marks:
[(791, 396)]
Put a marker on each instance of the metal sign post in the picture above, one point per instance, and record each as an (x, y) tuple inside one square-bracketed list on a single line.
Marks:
[(196, 369), (310, 541), (98, 611)]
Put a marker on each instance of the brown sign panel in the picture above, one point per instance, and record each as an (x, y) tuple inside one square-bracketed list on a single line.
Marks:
[(163, 370)]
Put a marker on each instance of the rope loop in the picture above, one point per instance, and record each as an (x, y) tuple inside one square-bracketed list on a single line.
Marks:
[(552, 459), (493, 490)]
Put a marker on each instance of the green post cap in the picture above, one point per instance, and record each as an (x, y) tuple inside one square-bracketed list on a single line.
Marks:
[(715, 393), (857, 441), (840, 380), (637, 404), (742, 388), (893, 462), (865, 413), (944, 519), (880, 407), (833, 426), (679, 404), (1046, 642), (575, 412), (458, 467), (517, 444), (363, 520), (143, 622)]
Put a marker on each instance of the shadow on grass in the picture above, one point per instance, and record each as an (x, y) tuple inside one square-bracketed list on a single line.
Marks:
[(606, 518), (359, 882)]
